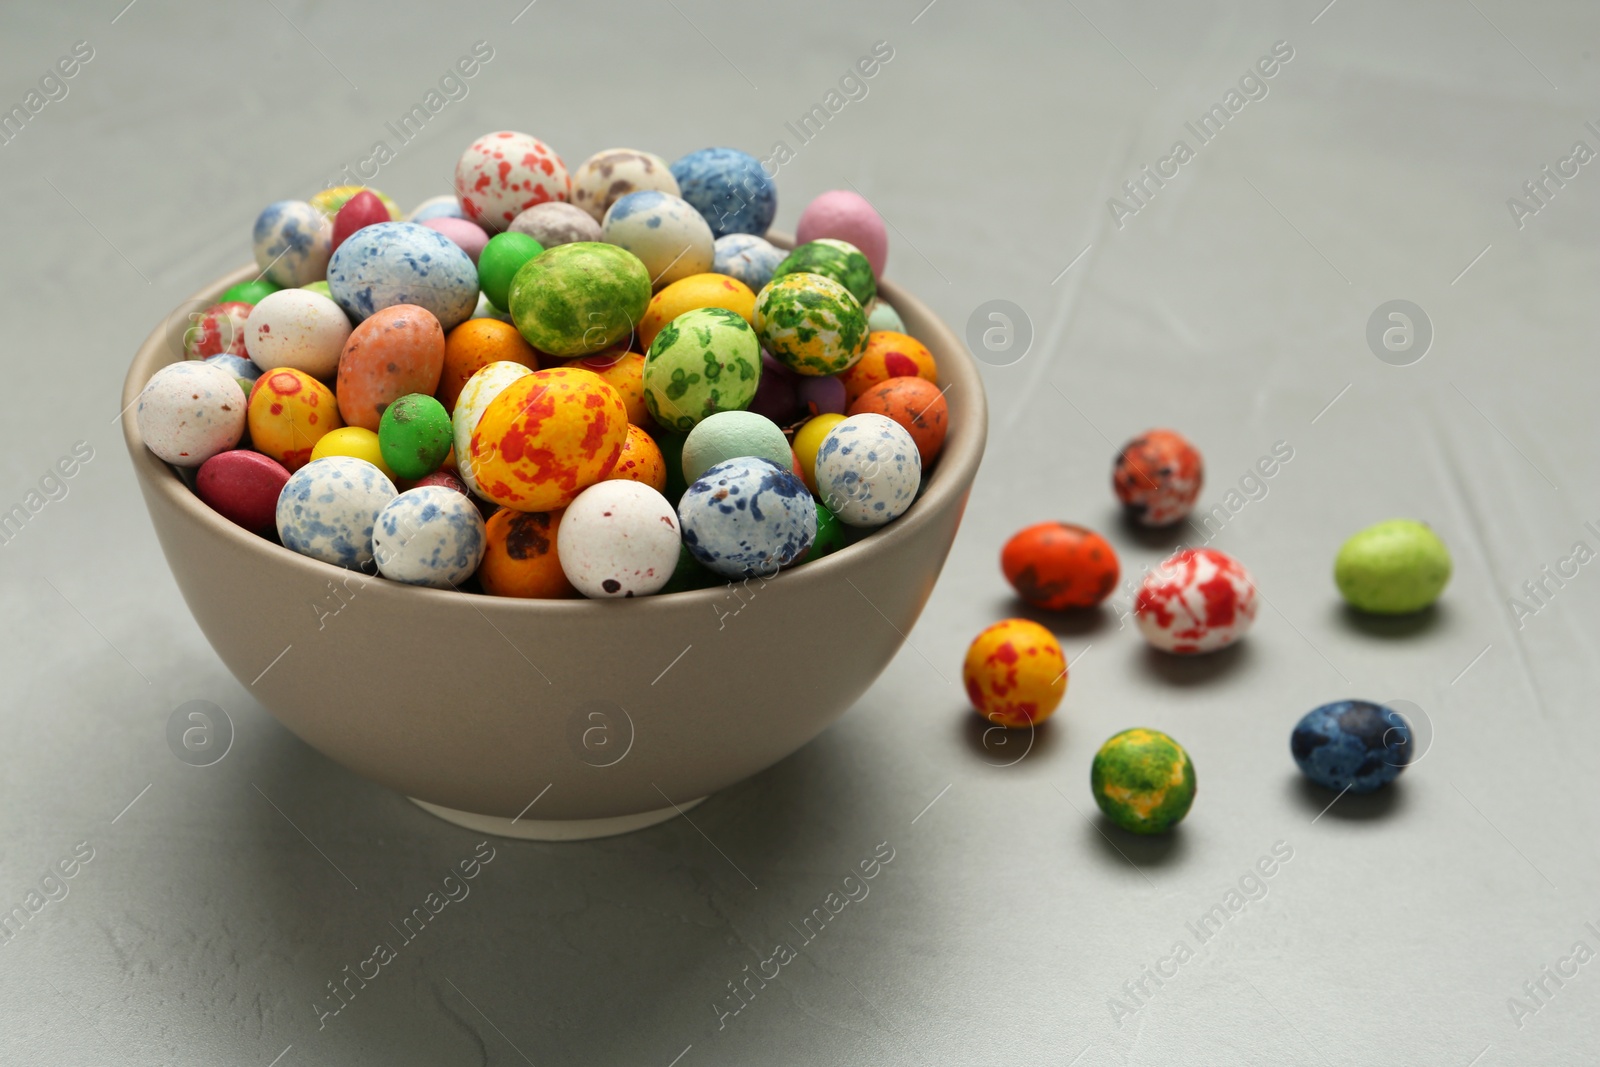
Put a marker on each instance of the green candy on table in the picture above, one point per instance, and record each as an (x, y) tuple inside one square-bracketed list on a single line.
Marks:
[(839, 260), (499, 262), (702, 362), (1392, 568), (251, 292), (1143, 780), (577, 299), (414, 435)]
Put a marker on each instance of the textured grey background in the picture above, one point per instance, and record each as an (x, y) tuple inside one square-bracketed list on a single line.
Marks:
[(1233, 306)]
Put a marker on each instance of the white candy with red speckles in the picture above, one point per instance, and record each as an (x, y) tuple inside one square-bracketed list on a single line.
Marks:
[(190, 411), (1197, 600), (618, 539), (502, 174), (297, 328)]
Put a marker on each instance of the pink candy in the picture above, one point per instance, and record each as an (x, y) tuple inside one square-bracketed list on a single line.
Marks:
[(468, 236), (846, 216)]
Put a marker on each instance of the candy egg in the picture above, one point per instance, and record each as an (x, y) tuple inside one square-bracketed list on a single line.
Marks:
[(467, 236), (357, 442), (670, 238), (521, 558), (1157, 476), (811, 323), (702, 362), (1392, 568), (1056, 565), (360, 211), (290, 411), (444, 206), (249, 292), (190, 411), (695, 291), (499, 262), (1197, 600), (916, 404), (619, 539), (297, 328), (775, 391), (888, 355), (1143, 781), (474, 345), (414, 435), (330, 201), (1352, 745), (830, 534), (641, 461), (556, 223), (486, 384), (217, 330), (430, 536), (882, 316), (398, 350), (821, 396), (502, 174), (808, 440), (623, 371), (749, 258), (546, 438), (730, 188), (396, 263), (868, 470), (242, 370), (747, 517), (730, 434), (486, 310), (329, 506), (1015, 673), (293, 241), (446, 478), (615, 172), (848, 216), (578, 299), (839, 260), (243, 487)]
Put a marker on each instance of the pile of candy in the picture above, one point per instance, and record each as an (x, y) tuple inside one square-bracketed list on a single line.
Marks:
[(1196, 601), (605, 383)]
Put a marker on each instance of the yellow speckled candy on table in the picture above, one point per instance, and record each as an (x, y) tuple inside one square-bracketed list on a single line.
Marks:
[(357, 442), (547, 437), (289, 412), (806, 442), (696, 291), (1015, 673)]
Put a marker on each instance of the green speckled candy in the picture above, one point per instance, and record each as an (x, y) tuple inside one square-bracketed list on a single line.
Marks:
[(702, 362), (839, 260), (579, 298), (251, 292), (1143, 781), (414, 435), (1393, 568), (811, 323)]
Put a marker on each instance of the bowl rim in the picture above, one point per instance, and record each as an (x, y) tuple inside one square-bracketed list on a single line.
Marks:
[(952, 476)]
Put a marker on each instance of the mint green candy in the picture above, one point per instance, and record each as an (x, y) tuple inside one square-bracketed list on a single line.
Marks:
[(414, 435), (1393, 568), (730, 435), (251, 292), (499, 262)]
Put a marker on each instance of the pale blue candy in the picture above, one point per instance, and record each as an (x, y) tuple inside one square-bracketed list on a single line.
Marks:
[(868, 470), (292, 241), (747, 518), (238, 366), (429, 535), (729, 188), (328, 507), (393, 263), (437, 207), (749, 258), (884, 317)]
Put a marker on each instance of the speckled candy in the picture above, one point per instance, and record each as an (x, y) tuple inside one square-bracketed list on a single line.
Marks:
[(623, 370), (1392, 568), (292, 242), (240, 367), (1015, 674), (328, 508), (1143, 781), (747, 517), (578, 299), (1158, 476), (749, 258), (396, 351), (502, 174), (615, 172), (619, 539), (414, 435), (696, 291), (670, 238), (1353, 745), (868, 470), (847, 216), (730, 188), (808, 441), (555, 224), (917, 405), (730, 435), (889, 355), (521, 558), (546, 438), (1197, 600), (332, 200), (297, 328), (396, 263), (484, 385), (444, 206), (831, 258), (641, 461), (1057, 565), (360, 211), (190, 411), (217, 330), (290, 411), (811, 323), (430, 536), (243, 487), (703, 362)]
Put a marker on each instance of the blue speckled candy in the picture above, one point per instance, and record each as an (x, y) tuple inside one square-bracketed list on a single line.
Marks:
[(292, 242), (403, 263), (1352, 744), (437, 207), (868, 470), (238, 366), (429, 535), (747, 517), (729, 188), (328, 507), (749, 258)]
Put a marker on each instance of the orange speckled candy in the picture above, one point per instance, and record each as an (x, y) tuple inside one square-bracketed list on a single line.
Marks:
[(641, 461), (696, 291), (547, 437), (1015, 673), (519, 558), (395, 351), (916, 404), (289, 411), (624, 372), (1056, 565), (474, 345), (888, 355)]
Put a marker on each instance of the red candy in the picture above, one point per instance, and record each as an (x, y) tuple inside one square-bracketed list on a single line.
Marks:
[(1056, 565), (446, 477), (1157, 477), (243, 486), (360, 211)]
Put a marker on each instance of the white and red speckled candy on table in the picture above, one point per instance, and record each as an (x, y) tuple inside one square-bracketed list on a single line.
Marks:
[(1197, 600)]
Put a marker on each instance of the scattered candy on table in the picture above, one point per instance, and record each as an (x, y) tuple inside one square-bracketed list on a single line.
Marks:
[(1157, 476), (1197, 600), (1143, 781), (1015, 673), (1392, 568), (1352, 745), (1058, 565)]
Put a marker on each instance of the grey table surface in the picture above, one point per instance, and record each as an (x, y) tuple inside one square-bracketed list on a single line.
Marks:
[(1232, 302)]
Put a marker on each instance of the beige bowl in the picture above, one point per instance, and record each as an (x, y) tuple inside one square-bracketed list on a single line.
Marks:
[(558, 719)]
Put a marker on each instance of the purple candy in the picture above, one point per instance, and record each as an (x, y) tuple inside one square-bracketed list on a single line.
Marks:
[(468, 236), (821, 396), (775, 392)]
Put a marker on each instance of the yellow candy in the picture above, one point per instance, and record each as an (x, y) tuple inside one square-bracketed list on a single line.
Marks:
[(289, 412), (806, 442), (357, 442), (329, 201), (691, 293), (1015, 673), (547, 437)]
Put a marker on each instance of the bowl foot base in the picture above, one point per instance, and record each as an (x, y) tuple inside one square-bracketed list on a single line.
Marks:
[(554, 829)]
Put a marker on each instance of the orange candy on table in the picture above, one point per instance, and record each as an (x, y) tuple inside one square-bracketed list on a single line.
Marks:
[(623, 371), (1057, 565), (519, 557), (394, 352), (546, 438), (888, 355), (288, 413), (917, 405), (475, 344), (1015, 673), (691, 293), (641, 461)]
